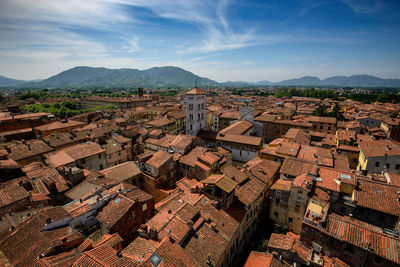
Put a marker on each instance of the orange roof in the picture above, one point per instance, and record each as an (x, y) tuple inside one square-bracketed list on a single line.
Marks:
[(196, 91), (281, 184), (258, 259), (159, 158)]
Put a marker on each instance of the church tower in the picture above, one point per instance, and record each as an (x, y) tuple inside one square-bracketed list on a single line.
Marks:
[(195, 111)]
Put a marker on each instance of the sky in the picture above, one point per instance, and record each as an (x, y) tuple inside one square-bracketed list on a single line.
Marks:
[(224, 40)]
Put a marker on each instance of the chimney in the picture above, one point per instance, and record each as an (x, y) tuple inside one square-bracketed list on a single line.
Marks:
[(209, 263)]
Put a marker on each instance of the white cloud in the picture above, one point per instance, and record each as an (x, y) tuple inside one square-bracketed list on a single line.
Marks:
[(133, 45), (208, 15), (72, 12), (364, 6)]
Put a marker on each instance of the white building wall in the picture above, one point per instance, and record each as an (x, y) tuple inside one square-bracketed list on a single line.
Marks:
[(195, 114), (242, 154)]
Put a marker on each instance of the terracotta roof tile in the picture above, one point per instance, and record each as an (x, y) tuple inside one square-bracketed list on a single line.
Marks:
[(378, 196), (363, 235), (122, 172), (27, 242), (159, 159), (234, 173), (259, 259), (295, 167)]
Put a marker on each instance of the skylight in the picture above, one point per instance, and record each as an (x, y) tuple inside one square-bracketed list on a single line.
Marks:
[(345, 176), (155, 259)]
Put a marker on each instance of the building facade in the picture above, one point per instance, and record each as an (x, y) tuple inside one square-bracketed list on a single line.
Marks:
[(195, 111)]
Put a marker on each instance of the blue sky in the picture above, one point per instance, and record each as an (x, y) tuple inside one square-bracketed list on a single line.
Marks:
[(219, 39)]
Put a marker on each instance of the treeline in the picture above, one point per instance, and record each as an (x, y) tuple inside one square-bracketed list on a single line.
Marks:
[(384, 97), (321, 94), (322, 111), (63, 109), (43, 94), (370, 97)]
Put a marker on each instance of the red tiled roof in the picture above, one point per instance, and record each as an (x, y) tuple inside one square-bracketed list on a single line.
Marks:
[(262, 169), (363, 235), (59, 125), (122, 172), (101, 256), (70, 154), (259, 259), (159, 158), (378, 196), (322, 119), (240, 139), (281, 241), (196, 91), (23, 245), (234, 173), (296, 167), (379, 148), (238, 128)]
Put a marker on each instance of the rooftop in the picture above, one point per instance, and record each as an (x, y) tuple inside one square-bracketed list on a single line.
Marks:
[(159, 159)]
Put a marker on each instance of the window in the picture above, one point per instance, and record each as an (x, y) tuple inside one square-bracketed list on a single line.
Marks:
[(300, 191), (397, 166), (329, 128), (387, 165), (320, 127), (133, 215), (198, 116), (101, 166), (277, 201), (198, 107), (191, 117), (99, 156), (190, 106), (377, 164), (191, 127), (297, 209), (290, 220), (119, 153), (202, 106), (144, 207), (275, 215)]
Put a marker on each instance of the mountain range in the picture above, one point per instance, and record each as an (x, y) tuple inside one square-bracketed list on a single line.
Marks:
[(164, 77)]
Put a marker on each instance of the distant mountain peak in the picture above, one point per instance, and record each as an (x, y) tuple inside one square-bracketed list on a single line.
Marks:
[(156, 77), (176, 77)]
